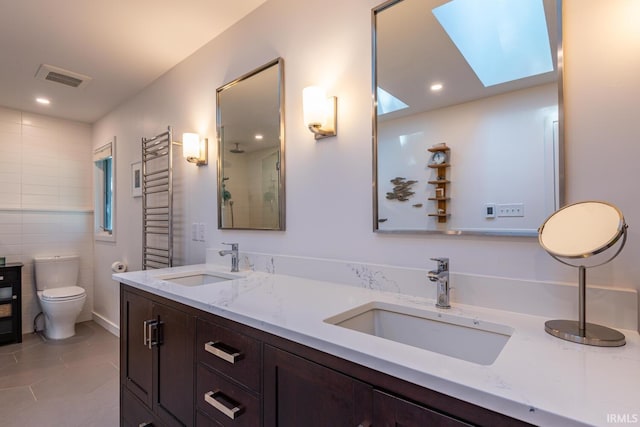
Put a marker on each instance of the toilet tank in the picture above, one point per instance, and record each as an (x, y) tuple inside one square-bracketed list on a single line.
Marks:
[(56, 271)]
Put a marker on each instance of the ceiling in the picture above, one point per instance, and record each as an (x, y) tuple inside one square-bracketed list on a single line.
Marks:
[(123, 45), (413, 52)]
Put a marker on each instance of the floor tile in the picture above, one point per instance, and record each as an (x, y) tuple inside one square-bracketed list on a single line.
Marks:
[(15, 400), (62, 383), (24, 374), (7, 360)]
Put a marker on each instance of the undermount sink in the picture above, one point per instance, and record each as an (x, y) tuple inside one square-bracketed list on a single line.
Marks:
[(196, 278), (451, 335)]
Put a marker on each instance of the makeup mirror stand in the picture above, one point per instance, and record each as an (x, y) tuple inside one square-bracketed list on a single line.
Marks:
[(580, 331)]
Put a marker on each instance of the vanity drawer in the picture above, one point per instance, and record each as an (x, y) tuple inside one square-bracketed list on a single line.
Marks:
[(203, 421), (9, 276), (234, 354), (225, 402)]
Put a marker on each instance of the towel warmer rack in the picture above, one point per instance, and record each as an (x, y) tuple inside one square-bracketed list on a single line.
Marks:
[(157, 201)]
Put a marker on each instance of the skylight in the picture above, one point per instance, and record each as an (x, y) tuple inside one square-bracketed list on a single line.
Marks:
[(388, 103), (502, 40)]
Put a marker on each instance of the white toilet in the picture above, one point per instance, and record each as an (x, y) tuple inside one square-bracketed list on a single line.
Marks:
[(61, 299)]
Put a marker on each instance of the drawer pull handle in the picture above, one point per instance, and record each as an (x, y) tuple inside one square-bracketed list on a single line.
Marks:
[(150, 333), (223, 351), (145, 424), (217, 399)]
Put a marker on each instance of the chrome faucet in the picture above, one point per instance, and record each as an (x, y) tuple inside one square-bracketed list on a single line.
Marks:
[(441, 276), (234, 256)]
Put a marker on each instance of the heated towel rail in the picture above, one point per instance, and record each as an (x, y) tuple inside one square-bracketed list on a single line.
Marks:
[(157, 201)]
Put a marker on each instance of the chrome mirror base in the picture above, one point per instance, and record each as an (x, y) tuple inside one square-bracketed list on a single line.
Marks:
[(592, 334)]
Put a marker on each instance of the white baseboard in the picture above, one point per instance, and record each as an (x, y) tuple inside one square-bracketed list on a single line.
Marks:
[(106, 323)]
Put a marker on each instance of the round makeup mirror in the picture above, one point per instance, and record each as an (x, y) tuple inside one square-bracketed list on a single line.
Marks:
[(579, 231)]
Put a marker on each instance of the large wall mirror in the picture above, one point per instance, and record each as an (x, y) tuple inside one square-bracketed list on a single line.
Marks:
[(468, 134), (251, 150)]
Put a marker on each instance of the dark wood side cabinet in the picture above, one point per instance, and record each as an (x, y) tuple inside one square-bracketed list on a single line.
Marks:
[(181, 366), (10, 303), (156, 352)]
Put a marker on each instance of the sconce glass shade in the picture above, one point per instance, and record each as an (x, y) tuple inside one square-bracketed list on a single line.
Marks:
[(194, 149), (190, 145), (319, 112), (314, 103)]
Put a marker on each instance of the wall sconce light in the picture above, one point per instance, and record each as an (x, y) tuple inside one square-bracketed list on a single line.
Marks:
[(320, 112), (194, 149)]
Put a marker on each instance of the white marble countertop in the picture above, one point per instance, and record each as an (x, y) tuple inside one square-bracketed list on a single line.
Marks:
[(536, 378)]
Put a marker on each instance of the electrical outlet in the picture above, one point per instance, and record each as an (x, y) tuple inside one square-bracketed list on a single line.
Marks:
[(202, 230), (510, 209), (194, 232)]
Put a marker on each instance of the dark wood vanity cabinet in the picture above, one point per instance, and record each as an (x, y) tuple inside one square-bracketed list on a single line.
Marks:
[(156, 352), (183, 367), (392, 411), (298, 392), (10, 303), (229, 375)]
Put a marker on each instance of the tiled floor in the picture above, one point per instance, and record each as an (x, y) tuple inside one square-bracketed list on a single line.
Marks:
[(66, 383)]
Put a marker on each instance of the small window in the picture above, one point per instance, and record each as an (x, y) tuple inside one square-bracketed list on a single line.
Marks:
[(104, 212)]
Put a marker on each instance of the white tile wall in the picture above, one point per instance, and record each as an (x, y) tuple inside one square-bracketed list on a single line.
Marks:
[(45, 198)]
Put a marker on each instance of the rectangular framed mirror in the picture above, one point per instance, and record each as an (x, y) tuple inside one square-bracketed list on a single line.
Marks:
[(467, 122), (251, 167)]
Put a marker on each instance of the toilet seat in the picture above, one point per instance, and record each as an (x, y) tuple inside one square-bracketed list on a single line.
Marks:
[(63, 294)]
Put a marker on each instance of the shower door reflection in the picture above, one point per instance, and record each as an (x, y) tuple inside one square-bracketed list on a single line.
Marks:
[(250, 188)]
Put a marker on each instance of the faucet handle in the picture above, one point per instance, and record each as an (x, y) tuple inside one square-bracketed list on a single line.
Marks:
[(234, 246), (443, 263)]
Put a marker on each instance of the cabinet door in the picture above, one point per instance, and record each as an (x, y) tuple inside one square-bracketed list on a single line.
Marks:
[(298, 392), (134, 413), (391, 411), (136, 356), (174, 365)]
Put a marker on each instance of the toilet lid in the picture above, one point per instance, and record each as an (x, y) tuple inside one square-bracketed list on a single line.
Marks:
[(63, 293)]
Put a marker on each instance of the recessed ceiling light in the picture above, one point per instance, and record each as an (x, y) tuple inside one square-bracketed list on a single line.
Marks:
[(259, 137), (436, 87), (43, 101)]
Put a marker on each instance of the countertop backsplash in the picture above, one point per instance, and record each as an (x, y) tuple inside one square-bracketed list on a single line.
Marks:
[(613, 307)]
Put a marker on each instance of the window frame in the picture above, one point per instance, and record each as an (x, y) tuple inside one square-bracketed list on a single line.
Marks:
[(105, 192)]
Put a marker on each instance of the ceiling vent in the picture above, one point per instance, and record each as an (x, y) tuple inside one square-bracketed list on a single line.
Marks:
[(62, 76)]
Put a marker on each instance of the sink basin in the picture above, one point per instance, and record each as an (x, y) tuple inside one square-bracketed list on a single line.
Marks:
[(196, 278), (456, 336)]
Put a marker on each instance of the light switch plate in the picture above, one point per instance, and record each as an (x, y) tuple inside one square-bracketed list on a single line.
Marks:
[(489, 210)]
